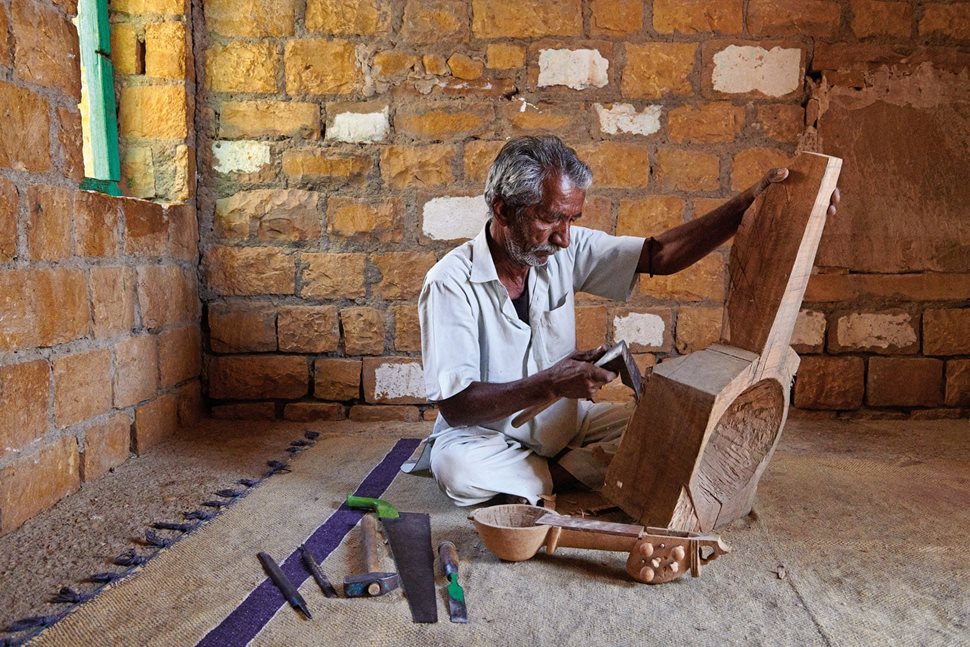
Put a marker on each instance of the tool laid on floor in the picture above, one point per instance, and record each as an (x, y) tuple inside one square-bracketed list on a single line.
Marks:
[(284, 584), (448, 555), (318, 576), (409, 536), (617, 359), (373, 581)]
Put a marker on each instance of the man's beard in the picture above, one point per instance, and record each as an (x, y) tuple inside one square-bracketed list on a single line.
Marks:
[(517, 251)]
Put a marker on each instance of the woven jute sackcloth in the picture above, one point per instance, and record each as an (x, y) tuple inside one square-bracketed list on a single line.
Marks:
[(859, 539)]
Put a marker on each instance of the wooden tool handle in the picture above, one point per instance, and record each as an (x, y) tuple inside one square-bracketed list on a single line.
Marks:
[(528, 414), (449, 558), (369, 541)]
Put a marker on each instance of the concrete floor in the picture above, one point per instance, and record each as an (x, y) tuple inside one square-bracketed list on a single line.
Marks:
[(83, 533)]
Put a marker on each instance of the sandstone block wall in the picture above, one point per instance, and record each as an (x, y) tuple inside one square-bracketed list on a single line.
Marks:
[(100, 344), (346, 142)]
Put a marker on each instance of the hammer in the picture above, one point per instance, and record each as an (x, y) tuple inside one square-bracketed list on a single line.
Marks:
[(617, 359), (374, 582)]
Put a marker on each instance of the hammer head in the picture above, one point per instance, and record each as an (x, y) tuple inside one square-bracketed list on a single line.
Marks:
[(370, 585), (619, 360)]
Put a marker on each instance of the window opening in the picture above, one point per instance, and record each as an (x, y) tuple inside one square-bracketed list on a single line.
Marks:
[(99, 118)]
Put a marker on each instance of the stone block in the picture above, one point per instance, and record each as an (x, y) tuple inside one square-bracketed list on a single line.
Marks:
[(881, 18), (241, 119), (34, 483), (165, 54), (435, 64), (349, 218), (649, 329), (702, 281), (149, 7), (346, 17), (82, 386), (95, 224), (6, 51), (112, 300), (780, 121), (478, 157), (25, 143), (384, 413), (138, 172), (402, 273), (958, 383), (649, 216), (245, 411), (616, 17), (886, 333), (136, 370), (504, 18), (9, 203), (946, 331), (950, 20), (146, 228), (617, 165), (240, 156), (308, 329), (577, 69), (716, 122), (624, 118), (363, 330), (272, 214), (336, 379), (301, 165), (407, 329), (598, 214), (832, 383), (443, 124), (126, 55), (393, 65), (697, 328), (23, 403), (313, 411), (526, 118), (406, 166), (18, 327), (252, 18), (394, 380), (107, 445), (904, 382), (504, 56), (69, 136), (818, 18), (240, 66), (179, 355), (698, 16), (591, 327), (255, 377), (191, 406), (809, 333), (465, 67), (321, 66), (45, 47), (359, 126), (243, 271), (752, 69), (153, 111), (687, 170), (333, 276), (61, 305), (429, 22), (656, 70), (183, 232), (49, 228), (454, 218), (750, 165), (167, 294), (242, 327), (155, 422)]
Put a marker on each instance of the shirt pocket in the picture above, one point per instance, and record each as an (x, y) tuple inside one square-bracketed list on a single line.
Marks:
[(557, 331)]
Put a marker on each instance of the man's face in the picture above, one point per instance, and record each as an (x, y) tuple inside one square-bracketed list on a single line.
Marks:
[(543, 229)]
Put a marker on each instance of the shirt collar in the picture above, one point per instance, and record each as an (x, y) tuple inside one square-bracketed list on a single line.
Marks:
[(483, 266)]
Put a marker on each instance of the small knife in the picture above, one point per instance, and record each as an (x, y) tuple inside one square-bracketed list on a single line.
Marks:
[(456, 595)]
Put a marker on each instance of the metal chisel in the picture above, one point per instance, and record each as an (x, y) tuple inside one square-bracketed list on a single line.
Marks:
[(284, 584), (456, 595)]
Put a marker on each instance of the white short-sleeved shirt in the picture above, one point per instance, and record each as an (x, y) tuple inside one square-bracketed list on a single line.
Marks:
[(470, 331)]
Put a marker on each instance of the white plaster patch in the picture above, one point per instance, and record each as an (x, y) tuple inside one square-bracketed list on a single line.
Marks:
[(624, 118), (240, 156), (575, 68), (639, 328), (454, 218), (360, 127), (873, 330), (809, 328), (774, 72), (399, 381)]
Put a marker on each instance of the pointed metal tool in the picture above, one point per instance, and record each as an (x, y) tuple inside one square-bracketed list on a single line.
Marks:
[(284, 584), (456, 595), (311, 564)]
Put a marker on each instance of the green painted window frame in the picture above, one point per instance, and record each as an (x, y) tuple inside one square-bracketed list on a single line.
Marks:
[(94, 35)]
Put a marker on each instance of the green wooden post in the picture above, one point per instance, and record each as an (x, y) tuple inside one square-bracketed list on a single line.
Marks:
[(95, 40)]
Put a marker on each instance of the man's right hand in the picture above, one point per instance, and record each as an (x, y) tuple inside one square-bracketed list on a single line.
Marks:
[(577, 376)]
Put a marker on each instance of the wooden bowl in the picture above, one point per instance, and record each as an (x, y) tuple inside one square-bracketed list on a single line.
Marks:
[(509, 531)]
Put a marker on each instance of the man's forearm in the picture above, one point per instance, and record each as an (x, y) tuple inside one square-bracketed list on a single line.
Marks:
[(483, 402)]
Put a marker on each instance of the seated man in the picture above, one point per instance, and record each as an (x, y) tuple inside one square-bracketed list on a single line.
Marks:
[(498, 328)]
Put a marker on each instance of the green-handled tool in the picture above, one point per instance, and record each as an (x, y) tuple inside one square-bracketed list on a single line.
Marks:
[(456, 595)]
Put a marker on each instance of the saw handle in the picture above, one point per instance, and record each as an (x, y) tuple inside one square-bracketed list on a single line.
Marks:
[(383, 508), (449, 558)]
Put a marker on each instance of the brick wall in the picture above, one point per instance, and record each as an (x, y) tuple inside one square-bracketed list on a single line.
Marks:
[(100, 349), (344, 146)]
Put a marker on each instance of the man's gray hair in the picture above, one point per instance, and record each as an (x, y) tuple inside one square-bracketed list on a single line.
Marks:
[(522, 166)]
